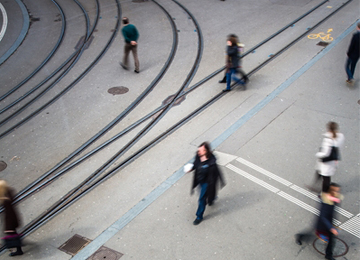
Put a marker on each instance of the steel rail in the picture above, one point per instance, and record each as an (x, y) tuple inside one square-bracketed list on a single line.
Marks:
[(66, 62), (51, 212), (33, 188), (81, 192), (58, 79), (45, 61)]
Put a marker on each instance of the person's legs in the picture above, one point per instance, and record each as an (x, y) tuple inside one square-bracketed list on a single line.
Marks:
[(238, 81), (228, 79), (136, 59), (326, 183), (202, 201), (329, 248), (127, 49), (348, 69), (352, 67)]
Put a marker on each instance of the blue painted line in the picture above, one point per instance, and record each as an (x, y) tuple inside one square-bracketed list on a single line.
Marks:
[(157, 192), (279, 89), (22, 34)]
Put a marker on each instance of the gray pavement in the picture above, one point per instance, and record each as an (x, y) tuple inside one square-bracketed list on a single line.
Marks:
[(264, 138)]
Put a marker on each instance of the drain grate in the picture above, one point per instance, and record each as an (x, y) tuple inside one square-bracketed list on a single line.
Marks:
[(323, 44), (105, 253), (176, 103), (3, 165), (118, 90), (74, 244)]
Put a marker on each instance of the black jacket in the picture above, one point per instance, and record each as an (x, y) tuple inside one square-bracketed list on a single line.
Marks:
[(213, 173), (354, 48)]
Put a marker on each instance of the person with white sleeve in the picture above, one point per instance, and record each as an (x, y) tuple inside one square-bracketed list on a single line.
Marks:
[(329, 155)]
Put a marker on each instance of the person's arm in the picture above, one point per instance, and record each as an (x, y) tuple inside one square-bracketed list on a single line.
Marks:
[(325, 148), (352, 46)]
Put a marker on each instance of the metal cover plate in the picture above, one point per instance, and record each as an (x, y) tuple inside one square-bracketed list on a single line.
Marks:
[(74, 244), (105, 253), (3, 165)]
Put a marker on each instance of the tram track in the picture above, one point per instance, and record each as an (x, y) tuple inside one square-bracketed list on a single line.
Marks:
[(47, 178), (46, 60), (60, 169), (70, 62), (91, 182)]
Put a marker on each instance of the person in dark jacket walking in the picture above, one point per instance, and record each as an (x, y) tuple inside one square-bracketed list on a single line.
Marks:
[(232, 63), (131, 35), (11, 220), (353, 54), (206, 176), (324, 227)]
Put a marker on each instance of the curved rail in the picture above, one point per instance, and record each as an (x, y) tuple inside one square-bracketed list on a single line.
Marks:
[(51, 54)]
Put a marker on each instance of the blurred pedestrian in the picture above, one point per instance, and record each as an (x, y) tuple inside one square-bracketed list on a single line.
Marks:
[(206, 176), (11, 220), (239, 69), (328, 157), (233, 62), (353, 54), (131, 35), (324, 227)]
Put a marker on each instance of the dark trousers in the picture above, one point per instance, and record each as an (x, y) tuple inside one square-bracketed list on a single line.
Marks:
[(326, 181), (329, 248), (350, 67), (133, 48), (202, 201)]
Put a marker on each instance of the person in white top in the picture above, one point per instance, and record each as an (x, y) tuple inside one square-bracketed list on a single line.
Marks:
[(329, 155)]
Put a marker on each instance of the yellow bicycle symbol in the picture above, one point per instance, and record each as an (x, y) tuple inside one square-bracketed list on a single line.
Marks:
[(326, 37)]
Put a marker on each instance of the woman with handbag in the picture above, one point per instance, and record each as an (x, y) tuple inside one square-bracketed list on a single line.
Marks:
[(329, 155), (11, 220)]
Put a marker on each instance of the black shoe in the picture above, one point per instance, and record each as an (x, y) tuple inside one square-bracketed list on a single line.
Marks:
[(226, 90), (197, 221), (211, 203), (329, 258), (298, 240), (222, 81), (16, 253), (137, 71)]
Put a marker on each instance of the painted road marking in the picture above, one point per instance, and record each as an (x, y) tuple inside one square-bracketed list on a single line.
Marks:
[(352, 226), (108, 233), (4, 23), (290, 185)]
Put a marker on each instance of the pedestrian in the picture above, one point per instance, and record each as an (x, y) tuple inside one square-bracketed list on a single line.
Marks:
[(11, 220), (324, 227), (206, 176), (131, 35), (353, 54), (232, 62), (328, 157), (240, 50)]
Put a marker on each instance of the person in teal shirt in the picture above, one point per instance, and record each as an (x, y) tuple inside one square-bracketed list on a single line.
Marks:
[(131, 36)]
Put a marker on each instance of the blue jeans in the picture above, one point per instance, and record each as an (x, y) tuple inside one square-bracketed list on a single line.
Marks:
[(350, 68), (231, 75), (202, 201)]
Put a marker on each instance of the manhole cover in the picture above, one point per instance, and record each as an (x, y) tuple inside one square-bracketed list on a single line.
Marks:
[(322, 43), (340, 248), (118, 90), (74, 244), (3, 165), (105, 253), (359, 101), (139, 1)]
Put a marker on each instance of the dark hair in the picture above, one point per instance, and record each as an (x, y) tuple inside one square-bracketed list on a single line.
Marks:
[(234, 40), (332, 127), (207, 148), (125, 20), (333, 184)]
